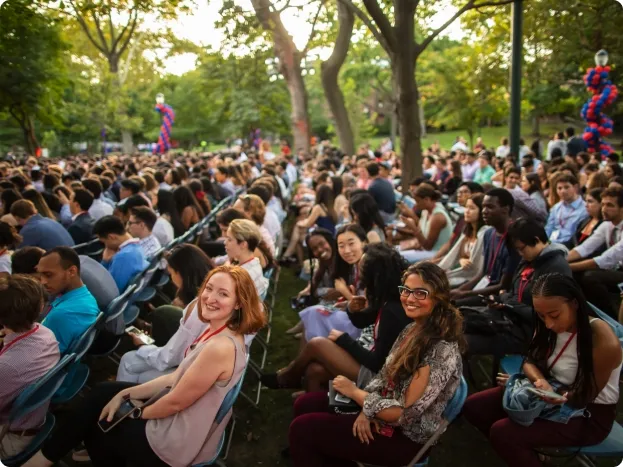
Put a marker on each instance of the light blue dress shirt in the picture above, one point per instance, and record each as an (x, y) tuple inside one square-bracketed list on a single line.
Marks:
[(563, 220)]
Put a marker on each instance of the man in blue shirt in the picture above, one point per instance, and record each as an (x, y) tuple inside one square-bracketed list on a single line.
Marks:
[(501, 259), (567, 214), (123, 256), (72, 309), (37, 230)]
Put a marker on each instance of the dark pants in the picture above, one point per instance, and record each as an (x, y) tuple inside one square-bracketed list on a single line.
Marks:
[(598, 286), (165, 321), (516, 444), (319, 438), (125, 444)]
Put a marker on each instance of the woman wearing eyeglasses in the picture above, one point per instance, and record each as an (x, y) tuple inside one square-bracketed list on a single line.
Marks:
[(403, 404)]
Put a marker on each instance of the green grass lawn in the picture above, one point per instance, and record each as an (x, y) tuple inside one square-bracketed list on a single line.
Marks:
[(490, 136)]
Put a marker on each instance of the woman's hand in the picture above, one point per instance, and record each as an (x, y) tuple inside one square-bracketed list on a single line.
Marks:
[(334, 335), (108, 412), (555, 401), (136, 340), (344, 386), (502, 379), (543, 384), (465, 263), (357, 303), (362, 428)]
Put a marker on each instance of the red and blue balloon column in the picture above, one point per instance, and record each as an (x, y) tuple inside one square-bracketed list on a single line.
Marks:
[(168, 117), (604, 93)]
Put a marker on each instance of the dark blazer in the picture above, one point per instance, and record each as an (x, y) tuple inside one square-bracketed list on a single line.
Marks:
[(81, 230)]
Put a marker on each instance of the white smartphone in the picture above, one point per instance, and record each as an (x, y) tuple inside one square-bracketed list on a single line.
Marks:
[(145, 339), (343, 399), (543, 393)]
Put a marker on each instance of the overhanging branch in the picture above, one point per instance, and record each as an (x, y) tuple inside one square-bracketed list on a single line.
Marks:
[(470, 5), (365, 19), (313, 30), (379, 18), (85, 28), (127, 39)]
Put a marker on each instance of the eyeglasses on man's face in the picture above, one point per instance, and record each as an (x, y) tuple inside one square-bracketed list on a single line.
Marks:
[(419, 294)]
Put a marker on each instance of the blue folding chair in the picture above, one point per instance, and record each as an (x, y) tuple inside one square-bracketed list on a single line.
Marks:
[(226, 406), (453, 409), (31, 398), (78, 372), (115, 309)]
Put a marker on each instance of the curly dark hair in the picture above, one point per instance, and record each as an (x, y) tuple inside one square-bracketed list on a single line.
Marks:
[(381, 274)]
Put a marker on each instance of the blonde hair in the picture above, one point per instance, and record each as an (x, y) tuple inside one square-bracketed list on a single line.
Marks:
[(254, 207), (250, 317), (245, 230)]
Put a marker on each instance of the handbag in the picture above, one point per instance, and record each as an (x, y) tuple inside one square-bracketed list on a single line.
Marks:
[(485, 321), (341, 407)]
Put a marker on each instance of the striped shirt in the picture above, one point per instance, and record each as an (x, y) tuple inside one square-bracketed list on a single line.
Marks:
[(24, 363)]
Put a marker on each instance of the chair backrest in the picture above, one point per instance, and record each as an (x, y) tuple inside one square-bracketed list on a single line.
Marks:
[(615, 325), (231, 396), (455, 405), (118, 305), (36, 394), (82, 345)]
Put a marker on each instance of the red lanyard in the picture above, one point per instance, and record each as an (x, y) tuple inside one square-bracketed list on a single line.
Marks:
[(247, 261), (566, 216), (3, 251), (495, 255), (205, 333), (23, 336), (564, 347), (613, 236), (375, 332), (526, 275)]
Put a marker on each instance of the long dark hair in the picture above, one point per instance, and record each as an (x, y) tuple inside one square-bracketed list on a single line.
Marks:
[(193, 265), (368, 213), (166, 205), (381, 274), (342, 269), (322, 267), (325, 198), (477, 199), (39, 202), (184, 198), (338, 186), (544, 340), (196, 187), (535, 183), (445, 323)]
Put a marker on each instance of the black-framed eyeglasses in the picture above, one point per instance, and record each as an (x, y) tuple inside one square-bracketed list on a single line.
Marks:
[(419, 294)]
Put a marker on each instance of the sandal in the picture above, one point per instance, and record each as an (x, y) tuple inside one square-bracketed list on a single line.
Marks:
[(297, 328), (271, 381)]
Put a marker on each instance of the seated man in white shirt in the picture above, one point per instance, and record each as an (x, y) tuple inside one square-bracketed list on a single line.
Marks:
[(99, 208), (271, 221), (601, 275), (141, 224)]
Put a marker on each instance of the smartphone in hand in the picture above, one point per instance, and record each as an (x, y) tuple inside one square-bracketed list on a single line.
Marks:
[(145, 339)]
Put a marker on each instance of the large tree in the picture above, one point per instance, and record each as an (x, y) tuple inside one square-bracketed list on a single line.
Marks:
[(395, 29), (31, 66)]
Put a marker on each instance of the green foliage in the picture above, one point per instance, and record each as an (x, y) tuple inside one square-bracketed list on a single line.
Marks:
[(31, 66)]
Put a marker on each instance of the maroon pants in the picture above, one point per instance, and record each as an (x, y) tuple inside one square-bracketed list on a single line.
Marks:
[(516, 444), (319, 438)]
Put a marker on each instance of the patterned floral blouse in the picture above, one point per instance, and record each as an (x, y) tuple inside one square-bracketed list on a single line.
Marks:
[(420, 420)]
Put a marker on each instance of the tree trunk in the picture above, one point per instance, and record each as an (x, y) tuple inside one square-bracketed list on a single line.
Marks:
[(330, 70), (536, 127), (290, 67), (393, 129), (126, 140), (422, 119)]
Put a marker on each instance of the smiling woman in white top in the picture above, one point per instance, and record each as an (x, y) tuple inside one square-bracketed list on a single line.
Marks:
[(8, 239), (242, 238)]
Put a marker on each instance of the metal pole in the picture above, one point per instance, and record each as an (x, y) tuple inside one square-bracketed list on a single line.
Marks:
[(515, 78)]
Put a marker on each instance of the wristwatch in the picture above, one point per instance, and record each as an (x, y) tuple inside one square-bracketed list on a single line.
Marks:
[(137, 413)]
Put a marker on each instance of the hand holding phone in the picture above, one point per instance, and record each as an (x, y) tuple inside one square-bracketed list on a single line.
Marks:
[(549, 396), (139, 335)]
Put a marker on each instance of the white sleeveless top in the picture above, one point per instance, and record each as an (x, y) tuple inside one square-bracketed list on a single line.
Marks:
[(566, 368), (444, 234)]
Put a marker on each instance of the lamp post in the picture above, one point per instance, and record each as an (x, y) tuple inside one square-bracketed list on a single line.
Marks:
[(517, 52), (160, 98), (601, 58)]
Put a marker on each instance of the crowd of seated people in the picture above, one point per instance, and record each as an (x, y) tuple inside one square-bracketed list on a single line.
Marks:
[(486, 254)]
